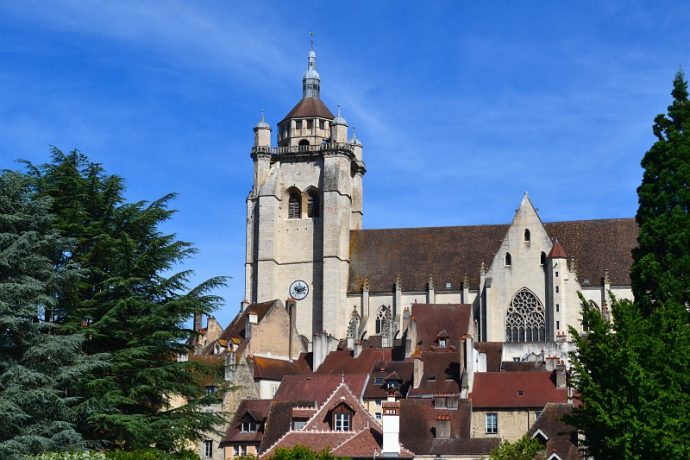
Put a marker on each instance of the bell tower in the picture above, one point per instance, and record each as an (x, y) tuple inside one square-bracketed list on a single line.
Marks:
[(305, 199)]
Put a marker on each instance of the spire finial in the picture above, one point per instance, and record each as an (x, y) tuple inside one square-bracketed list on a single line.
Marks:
[(262, 115), (311, 40)]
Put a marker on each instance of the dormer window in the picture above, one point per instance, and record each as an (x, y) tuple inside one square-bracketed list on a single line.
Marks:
[(342, 418), (378, 381), (248, 425), (442, 343)]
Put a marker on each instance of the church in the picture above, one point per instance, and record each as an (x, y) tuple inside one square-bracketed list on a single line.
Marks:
[(305, 242)]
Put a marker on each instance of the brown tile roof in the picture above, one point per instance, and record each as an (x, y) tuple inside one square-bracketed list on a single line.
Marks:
[(361, 418), (343, 361), (441, 375), (526, 366), (450, 253), (598, 245), (278, 421), (431, 320), (364, 444), (236, 328), (317, 387), (315, 440), (276, 369), (515, 390), (258, 410), (494, 354), (309, 107), (418, 428), (381, 370), (562, 437)]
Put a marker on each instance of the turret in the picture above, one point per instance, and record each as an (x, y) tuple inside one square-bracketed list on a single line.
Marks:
[(339, 129), (262, 133)]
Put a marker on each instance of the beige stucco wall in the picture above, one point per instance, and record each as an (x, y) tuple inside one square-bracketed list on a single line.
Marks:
[(512, 424)]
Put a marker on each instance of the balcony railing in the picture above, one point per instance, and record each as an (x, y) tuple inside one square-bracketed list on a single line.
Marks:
[(325, 147)]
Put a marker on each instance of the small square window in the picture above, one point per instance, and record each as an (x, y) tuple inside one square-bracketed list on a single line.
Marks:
[(378, 416), (342, 422), (491, 423), (556, 274), (208, 448), (557, 289), (558, 325), (378, 381), (210, 389), (558, 308), (442, 343), (378, 403)]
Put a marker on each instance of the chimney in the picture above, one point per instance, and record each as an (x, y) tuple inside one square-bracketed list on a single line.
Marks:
[(550, 363), (291, 307), (319, 350), (560, 375), (357, 349), (197, 321), (417, 371), (391, 427), (443, 426)]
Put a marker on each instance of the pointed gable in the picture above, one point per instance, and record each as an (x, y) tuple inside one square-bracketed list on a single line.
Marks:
[(342, 395)]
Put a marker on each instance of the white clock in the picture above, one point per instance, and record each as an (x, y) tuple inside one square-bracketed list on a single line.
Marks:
[(299, 290)]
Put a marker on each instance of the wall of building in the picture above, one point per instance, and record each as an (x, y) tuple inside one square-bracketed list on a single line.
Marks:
[(512, 424)]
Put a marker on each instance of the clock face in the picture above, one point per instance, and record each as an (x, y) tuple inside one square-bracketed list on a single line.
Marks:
[(299, 290)]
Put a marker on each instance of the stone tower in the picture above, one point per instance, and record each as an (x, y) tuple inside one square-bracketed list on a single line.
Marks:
[(305, 199)]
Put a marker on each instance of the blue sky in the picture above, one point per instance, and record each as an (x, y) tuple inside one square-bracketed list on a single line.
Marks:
[(461, 106)]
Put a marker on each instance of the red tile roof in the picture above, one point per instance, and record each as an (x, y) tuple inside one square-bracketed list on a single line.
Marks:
[(315, 440), (276, 369), (361, 417), (452, 320), (441, 375), (343, 361), (256, 409), (317, 387), (365, 444), (557, 251), (562, 437), (383, 370), (515, 390)]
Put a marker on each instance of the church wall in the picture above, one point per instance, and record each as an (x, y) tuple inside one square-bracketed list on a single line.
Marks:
[(525, 269)]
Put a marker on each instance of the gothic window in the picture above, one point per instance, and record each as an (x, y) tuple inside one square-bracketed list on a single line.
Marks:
[(527, 236), (353, 327), (312, 204), (509, 260), (383, 321), (294, 205), (525, 321)]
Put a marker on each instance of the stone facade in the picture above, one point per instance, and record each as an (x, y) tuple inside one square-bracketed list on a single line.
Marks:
[(304, 219), (512, 424)]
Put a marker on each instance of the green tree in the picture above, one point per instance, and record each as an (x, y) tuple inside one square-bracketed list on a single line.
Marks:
[(301, 453), (38, 362), (661, 268), (632, 373), (524, 448), (130, 305)]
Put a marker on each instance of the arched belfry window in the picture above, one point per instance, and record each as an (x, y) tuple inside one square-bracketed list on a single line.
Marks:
[(527, 236), (294, 205), (304, 142), (383, 320), (509, 260), (525, 320), (312, 203)]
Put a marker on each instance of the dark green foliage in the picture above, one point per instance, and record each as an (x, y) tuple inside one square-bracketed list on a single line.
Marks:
[(149, 454), (632, 374), (661, 268), (524, 448), (633, 382), (38, 361), (301, 453), (130, 305)]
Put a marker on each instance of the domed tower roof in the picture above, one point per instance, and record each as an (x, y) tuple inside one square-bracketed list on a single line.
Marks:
[(262, 123), (339, 120)]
